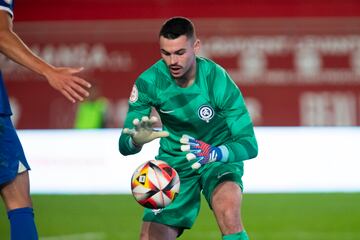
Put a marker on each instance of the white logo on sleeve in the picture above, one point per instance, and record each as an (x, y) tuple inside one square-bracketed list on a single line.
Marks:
[(166, 112), (206, 113), (134, 94)]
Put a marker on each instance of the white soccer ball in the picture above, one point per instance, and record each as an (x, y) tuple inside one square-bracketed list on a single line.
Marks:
[(155, 184)]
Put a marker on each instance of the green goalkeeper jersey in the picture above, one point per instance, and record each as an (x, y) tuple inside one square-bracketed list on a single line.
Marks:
[(212, 110)]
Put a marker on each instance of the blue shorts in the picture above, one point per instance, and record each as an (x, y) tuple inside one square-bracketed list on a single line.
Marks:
[(11, 151)]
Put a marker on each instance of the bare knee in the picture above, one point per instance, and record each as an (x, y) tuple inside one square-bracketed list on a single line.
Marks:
[(157, 231), (16, 194), (226, 204)]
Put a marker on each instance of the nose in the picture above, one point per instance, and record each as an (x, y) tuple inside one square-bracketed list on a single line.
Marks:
[(173, 59)]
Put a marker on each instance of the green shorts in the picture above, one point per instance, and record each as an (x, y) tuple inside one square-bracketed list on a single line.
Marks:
[(185, 208)]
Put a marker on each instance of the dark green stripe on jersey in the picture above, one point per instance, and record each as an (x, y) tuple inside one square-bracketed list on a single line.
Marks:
[(212, 110)]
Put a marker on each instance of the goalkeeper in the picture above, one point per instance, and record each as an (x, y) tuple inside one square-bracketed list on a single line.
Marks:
[(207, 133)]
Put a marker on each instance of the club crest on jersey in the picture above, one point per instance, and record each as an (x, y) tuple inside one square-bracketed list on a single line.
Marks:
[(206, 113), (134, 94)]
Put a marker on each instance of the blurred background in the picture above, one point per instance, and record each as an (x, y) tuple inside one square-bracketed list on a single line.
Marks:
[(296, 62)]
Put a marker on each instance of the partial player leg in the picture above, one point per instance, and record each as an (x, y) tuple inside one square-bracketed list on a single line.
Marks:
[(169, 223), (157, 231), (226, 204), (16, 196)]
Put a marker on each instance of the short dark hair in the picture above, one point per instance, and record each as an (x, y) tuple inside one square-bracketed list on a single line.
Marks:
[(176, 27)]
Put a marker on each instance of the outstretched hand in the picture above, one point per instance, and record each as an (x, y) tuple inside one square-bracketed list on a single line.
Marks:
[(71, 86), (143, 131)]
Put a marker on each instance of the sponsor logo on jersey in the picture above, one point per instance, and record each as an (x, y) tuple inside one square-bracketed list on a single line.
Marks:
[(134, 94), (206, 113)]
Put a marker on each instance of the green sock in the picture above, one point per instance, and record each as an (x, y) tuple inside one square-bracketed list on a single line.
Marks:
[(236, 236)]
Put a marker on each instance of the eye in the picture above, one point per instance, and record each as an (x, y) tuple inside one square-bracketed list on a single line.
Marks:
[(165, 53), (181, 52)]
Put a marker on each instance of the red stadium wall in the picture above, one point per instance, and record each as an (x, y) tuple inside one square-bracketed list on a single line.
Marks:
[(296, 62), (149, 9)]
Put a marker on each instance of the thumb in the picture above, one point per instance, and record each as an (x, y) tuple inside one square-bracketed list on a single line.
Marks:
[(160, 134), (75, 70)]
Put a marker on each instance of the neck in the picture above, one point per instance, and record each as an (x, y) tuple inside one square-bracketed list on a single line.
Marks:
[(185, 82)]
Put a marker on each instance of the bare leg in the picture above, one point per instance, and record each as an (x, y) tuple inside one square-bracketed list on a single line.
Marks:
[(16, 194), (157, 231), (226, 203)]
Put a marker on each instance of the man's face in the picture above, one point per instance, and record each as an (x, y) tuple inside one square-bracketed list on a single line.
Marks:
[(179, 55)]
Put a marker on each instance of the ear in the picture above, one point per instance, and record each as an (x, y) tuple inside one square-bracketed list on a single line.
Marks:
[(197, 46)]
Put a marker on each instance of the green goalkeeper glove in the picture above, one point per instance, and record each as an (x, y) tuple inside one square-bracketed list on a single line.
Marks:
[(143, 131)]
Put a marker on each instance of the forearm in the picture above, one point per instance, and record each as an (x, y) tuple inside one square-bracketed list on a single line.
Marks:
[(15, 49), (242, 150), (60, 78)]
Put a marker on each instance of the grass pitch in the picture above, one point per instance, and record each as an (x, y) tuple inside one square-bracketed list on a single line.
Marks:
[(267, 217)]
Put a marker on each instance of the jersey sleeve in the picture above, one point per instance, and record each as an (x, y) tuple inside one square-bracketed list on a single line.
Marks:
[(139, 106), (231, 102), (7, 6)]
